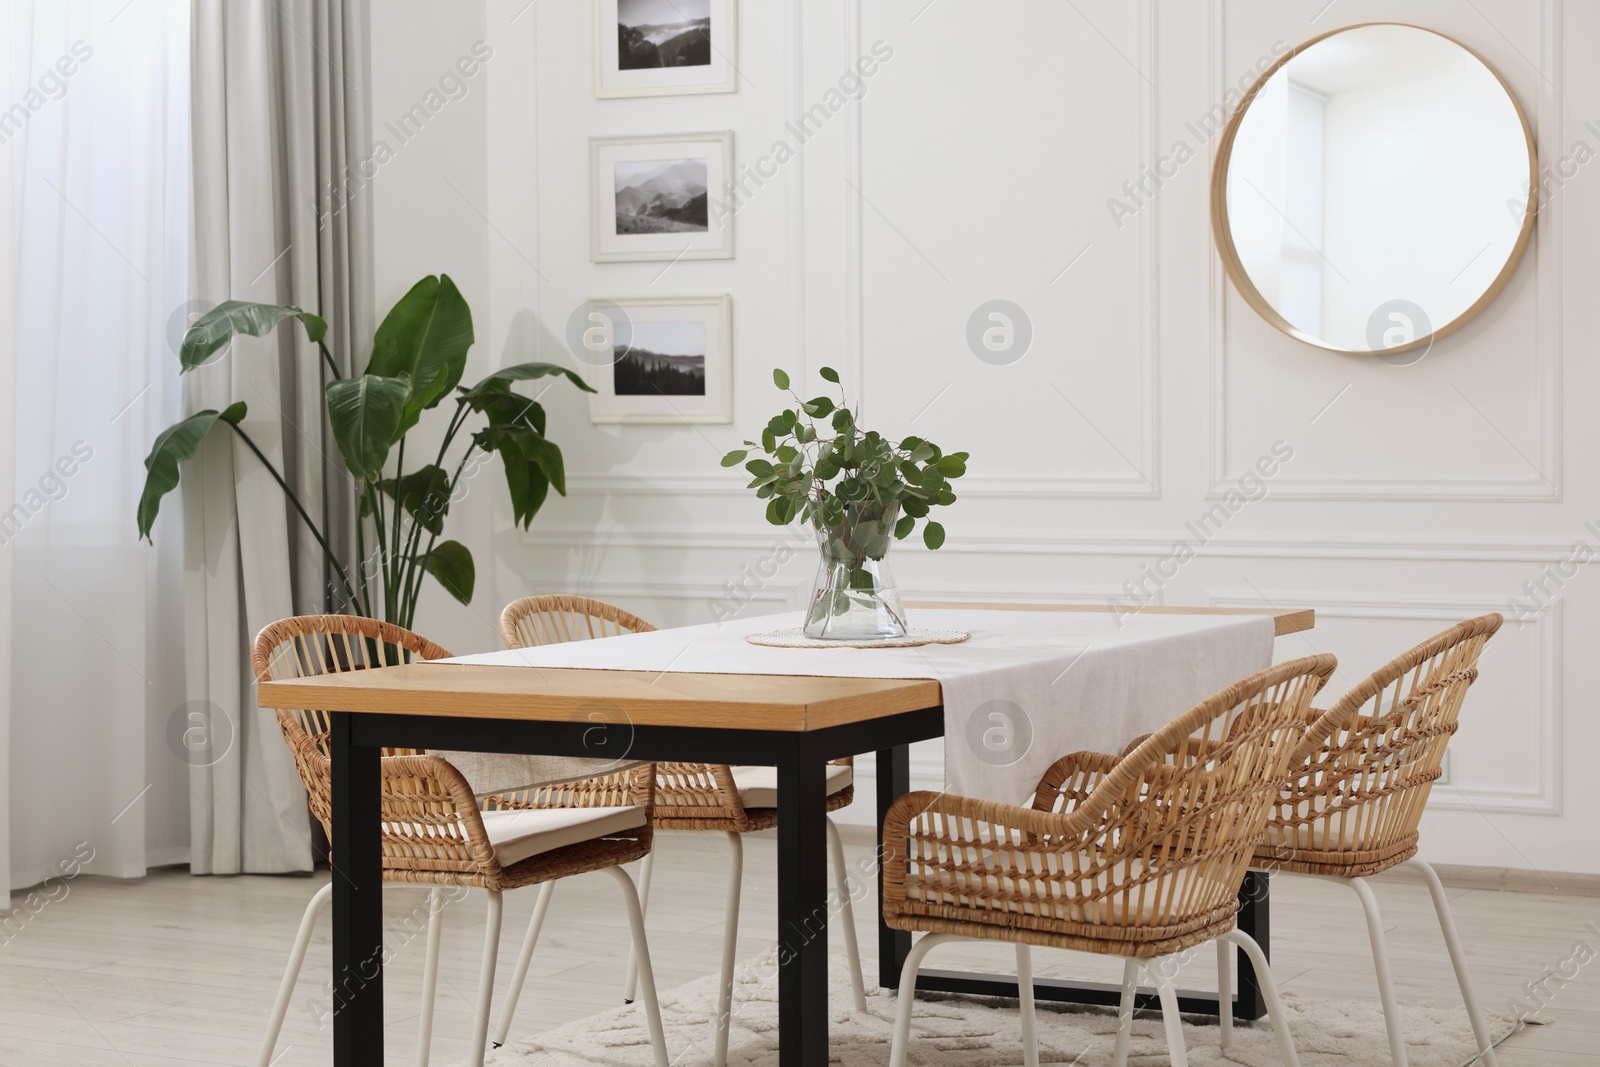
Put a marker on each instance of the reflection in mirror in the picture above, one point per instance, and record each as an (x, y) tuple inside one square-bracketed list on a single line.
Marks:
[(1376, 189)]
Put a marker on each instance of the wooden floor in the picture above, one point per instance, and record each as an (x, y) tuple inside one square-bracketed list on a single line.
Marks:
[(173, 969)]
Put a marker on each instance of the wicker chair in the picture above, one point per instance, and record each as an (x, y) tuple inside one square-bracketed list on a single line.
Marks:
[(695, 796), (1139, 856), (434, 833), (1352, 807)]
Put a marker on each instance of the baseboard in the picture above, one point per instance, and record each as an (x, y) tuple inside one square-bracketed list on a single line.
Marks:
[(1519, 880), (1500, 879)]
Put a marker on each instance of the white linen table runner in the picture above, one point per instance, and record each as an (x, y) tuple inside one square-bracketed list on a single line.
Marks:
[(1029, 688)]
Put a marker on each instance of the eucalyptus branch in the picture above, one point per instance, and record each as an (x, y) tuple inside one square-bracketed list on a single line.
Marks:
[(316, 533)]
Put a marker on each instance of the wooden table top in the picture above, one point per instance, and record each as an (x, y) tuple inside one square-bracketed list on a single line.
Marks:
[(646, 698)]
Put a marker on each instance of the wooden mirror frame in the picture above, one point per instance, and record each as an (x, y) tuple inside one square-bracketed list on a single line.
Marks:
[(1223, 237)]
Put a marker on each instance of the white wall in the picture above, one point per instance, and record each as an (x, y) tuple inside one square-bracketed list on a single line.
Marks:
[(981, 165)]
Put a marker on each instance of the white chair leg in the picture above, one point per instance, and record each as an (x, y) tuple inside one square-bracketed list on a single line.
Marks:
[(291, 972), (1030, 1041), (1458, 960), (730, 944), (1269, 991), (847, 915), (430, 975), (518, 976), (647, 974), (1130, 991), (1176, 1051), (491, 954), (1380, 963), (631, 985), (1224, 994), (908, 993)]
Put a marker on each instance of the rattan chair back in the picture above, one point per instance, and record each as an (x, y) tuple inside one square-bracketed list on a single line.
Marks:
[(1369, 762), (559, 618)]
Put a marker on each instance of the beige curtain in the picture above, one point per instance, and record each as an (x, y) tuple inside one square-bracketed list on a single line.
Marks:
[(279, 119)]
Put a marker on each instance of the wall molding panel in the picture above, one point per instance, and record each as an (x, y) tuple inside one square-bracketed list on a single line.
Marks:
[(1132, 544)]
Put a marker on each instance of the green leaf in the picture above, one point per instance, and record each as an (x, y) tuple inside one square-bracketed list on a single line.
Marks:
[(775, 511), (544, 454), (818, 407), (230, 318), (953, 466), (736, 457), (528, 488), (904, 527), (829, 375), (769, 440), (365, 414), (175, 444), (760, 468), (933, 535), (523, 372), (780, 379), (425, 494), (843, 420), (424, 339), (451, 563), (234, 413), (508, 412)]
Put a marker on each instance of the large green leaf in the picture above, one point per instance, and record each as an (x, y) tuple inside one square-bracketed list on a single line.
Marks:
[(451, 563), (176, 444), (523, 372), (232, 317), (364, 413), (424, 339), (424, 493), (528, 488)]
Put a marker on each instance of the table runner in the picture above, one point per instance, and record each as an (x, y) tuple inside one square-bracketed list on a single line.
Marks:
[(1029, 688)]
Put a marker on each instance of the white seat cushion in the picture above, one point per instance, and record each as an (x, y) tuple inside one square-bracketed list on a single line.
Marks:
[(758, 786), (524, 832)]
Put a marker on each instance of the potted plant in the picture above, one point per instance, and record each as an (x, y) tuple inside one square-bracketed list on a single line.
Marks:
[(860, 491), (418, 356)]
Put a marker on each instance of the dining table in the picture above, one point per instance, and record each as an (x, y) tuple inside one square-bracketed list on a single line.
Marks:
[(795, 723)]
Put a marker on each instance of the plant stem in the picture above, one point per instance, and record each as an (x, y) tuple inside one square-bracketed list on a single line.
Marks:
[(415, 592), (327, 551), (327, 357), (399, 560)]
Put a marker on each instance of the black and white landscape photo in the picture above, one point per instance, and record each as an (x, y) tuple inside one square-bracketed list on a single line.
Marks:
[(660, 359), (661, 196), (663, 33)]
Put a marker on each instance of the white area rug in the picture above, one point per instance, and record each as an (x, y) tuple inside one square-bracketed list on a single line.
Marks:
[(967, 1032)]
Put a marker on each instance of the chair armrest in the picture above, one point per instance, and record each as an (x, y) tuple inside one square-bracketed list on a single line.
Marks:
[(1070, 780)]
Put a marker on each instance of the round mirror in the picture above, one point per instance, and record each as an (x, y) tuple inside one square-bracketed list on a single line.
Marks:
[(1375, 189)]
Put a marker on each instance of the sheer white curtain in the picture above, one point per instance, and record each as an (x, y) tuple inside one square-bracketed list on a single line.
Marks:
[(97, 184)]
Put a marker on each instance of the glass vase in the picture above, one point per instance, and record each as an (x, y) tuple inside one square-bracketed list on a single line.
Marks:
[(855, 598)]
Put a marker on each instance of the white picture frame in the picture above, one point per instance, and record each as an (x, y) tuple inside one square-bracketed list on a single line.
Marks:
[(706, 47), (656, 340), (643, 190)]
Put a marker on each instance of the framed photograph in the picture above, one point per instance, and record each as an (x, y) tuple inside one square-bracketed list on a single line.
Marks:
[(665, 47), (652, 197), (672, 360)]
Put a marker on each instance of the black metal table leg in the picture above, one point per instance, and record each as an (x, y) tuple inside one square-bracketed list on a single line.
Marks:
[(802, 908), (1254, 919), (357, 901), (894, 780)]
